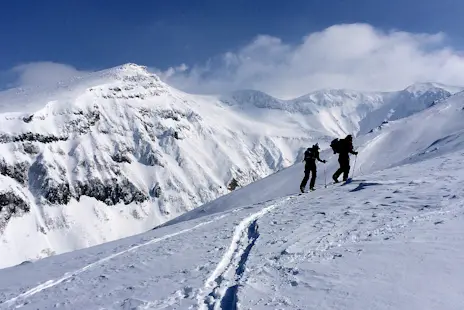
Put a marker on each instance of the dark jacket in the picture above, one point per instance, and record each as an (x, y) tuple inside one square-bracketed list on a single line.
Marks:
[(346, 147), (310, 156)]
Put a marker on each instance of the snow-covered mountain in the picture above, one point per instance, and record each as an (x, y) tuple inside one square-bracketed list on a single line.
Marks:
[(339, 111), (118, 152), (390, 239), (114, 153)]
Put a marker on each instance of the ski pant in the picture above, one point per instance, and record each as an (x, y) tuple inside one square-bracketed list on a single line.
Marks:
[(344, 161), (309, 169)]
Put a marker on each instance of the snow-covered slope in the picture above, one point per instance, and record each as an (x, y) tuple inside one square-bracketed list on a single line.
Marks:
[(407, 102), (116, 152), (388, 240), (430, 133), (433, 132)]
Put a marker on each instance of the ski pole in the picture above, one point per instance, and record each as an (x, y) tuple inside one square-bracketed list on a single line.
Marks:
[(354, 166), (325, 177)]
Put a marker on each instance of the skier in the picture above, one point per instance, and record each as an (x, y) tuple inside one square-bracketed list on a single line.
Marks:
[(344, 147), (311, 154)]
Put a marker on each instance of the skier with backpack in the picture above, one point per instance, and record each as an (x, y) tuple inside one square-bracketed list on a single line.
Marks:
[(344, 148), (311, 154)]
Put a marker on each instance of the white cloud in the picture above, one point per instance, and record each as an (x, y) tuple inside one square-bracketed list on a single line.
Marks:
[(172, 71), (42, 74), (354, 56)]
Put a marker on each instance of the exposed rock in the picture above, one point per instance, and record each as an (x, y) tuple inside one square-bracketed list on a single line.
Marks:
[(11, 205), (80, 125), (57, 190), (31, 137), (156, 191), (121, 158), (28, 119), (233, 184), (18, 171), (84, 123), (380, 127), (46, 182), (31, 148), (57, 193), (111, 192), (172, 114)]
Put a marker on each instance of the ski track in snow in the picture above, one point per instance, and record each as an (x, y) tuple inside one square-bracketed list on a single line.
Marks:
[(51, 283), (326, 237), (224, 281)]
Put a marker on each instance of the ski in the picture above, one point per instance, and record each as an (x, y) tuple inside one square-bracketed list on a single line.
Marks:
[(348, 181), (340, 183)]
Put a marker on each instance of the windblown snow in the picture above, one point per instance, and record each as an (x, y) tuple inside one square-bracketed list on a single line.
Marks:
[(115, 153)]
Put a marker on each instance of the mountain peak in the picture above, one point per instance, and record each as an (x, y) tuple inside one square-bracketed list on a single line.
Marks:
[(422, 87), (136, 79), (132, 68), (129, 71)]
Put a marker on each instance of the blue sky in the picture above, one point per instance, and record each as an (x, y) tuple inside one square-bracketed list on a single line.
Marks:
[(96, 34), (92, 34)]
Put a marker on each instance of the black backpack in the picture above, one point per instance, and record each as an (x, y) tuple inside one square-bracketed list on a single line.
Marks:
[(309, 154), (335, 145)]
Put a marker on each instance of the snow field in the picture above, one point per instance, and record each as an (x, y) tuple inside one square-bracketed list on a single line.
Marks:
[(375, 237)]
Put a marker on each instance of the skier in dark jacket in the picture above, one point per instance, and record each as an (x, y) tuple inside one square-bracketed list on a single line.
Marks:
[(345, 148), (311, 154)]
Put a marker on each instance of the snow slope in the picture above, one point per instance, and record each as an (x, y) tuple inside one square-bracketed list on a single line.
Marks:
[(117, 152), (433, 132), (391, 240)]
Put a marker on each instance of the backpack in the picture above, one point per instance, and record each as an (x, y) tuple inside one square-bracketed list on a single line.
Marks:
[(309, 154), (335, 145)]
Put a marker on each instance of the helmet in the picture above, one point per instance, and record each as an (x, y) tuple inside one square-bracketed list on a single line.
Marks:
[(349, 137), (316, 146)]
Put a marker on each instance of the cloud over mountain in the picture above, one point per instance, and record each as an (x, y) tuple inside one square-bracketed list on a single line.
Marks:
[(354, 56), (42, 73)]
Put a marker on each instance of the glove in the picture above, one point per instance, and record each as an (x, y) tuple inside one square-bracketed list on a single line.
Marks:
[(355, 153), (324, 161)]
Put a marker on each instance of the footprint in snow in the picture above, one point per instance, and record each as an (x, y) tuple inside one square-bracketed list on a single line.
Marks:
[(200, 268), (186, 292), (132, 303)]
